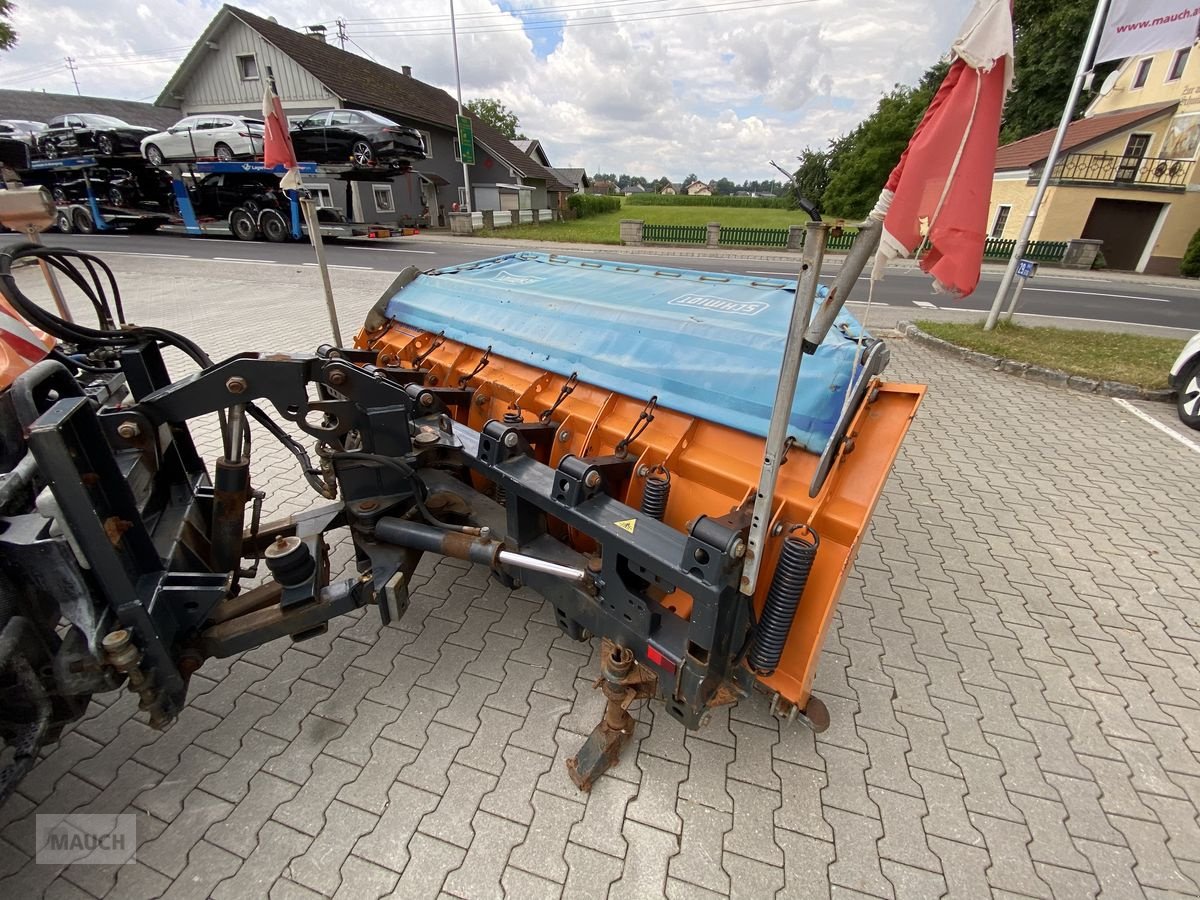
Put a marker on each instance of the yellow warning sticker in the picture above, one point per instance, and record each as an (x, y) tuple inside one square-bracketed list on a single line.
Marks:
[(627, 524)]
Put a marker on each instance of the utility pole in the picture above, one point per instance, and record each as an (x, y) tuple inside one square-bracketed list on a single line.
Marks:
[(458, 86), (71, 66), (1085, 64), (341, 27)]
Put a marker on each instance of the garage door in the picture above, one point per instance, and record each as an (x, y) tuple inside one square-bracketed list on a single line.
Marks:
[(1125, 227)]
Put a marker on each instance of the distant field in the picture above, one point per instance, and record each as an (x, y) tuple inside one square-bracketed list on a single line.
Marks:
[(605, 228)]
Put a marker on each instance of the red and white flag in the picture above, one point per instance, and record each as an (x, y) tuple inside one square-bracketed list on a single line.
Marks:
[(940, 190), (20, 345), (1137, 27), (277, 138)]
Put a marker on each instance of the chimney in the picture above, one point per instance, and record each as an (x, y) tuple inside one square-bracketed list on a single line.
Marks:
[(316, 32), (406, 70)]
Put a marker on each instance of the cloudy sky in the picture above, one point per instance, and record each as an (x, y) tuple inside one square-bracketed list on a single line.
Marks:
[(652, 87)]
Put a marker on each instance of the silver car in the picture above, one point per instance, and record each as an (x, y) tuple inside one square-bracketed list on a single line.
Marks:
[(205, 136)]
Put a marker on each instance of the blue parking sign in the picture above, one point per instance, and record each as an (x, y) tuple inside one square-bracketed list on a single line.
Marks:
[(1026, 268)]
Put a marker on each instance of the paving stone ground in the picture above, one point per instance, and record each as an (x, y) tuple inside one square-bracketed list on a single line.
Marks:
[(1013, 676)]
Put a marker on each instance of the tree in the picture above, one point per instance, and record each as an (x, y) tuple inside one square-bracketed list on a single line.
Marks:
[(8, 37), (690, 178), (812, 178), (862, 161), (723, 186), (1050, 38), (494, 113)]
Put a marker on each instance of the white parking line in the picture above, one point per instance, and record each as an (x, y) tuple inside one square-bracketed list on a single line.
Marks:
[(335, 266), (1097, 294), (1165, 429), (257, 262), (393, 250), (924, 304), (148, 255), (1026, 315)]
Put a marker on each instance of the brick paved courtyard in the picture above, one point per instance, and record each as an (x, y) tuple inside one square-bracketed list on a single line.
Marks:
[(1013, 677)]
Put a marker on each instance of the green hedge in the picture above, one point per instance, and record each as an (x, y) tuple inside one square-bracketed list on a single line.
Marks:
[(593, 204), (684, 200), (1190, 266)]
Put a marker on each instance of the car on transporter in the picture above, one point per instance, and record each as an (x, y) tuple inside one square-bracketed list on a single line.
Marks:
[(90, 133), (1185, 379), (208, 136), (357, 136)]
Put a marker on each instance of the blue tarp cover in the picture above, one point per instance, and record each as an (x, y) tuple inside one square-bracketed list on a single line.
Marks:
[(709, 345)]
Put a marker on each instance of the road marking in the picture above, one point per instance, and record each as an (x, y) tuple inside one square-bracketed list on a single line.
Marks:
[(149, 255), (864, 303), (335, 266), (1096, 294), (393, 250), (924, 304), (257, 262), (1165, 429)]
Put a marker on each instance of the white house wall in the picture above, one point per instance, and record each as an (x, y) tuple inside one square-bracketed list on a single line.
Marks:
[(215, 84)]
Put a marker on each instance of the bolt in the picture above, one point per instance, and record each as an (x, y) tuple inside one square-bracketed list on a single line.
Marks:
[(643, 471), (739, 548), (236, 385), (337, 378), (594, 564), (129, 430), (480, 399), (777, 530), (564, 436), (427, 400), (510, 439), (591, 479), (368, 505)]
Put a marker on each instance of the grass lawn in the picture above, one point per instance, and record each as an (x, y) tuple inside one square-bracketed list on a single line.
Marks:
[(1129, 358), (605, 228)]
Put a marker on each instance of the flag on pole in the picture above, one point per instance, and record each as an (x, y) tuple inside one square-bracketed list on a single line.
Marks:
[(940, 189), (277, 139), (1138, 27)]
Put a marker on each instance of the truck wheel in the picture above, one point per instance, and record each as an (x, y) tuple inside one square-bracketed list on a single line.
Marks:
[(63, 222), (274, 226), (84, 223), (241, 223)]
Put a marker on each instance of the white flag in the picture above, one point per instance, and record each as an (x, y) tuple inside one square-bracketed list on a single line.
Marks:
[(1137, 27)]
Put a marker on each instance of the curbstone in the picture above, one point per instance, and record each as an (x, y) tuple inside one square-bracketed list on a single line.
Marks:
[(1030, 372)]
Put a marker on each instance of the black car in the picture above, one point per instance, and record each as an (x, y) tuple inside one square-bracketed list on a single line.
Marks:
[(354, 135), (22, 130), (88, 132), (218, 194), (118, 187)]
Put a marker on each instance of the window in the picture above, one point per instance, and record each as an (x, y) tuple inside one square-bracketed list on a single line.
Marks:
[(1178, 64), (341, 117), (383, 197), (248, 67), (321, 194), (1142, 73), (1002, 212), (427, 139)]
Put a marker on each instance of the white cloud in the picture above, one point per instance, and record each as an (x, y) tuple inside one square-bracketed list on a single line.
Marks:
[(717, 94)]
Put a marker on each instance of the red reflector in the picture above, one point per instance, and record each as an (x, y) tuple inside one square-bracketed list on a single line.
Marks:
[(658, 659)]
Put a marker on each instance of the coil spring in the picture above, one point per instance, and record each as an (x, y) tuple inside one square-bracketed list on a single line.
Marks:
[(656, 492), (512, 417), (783, 599)]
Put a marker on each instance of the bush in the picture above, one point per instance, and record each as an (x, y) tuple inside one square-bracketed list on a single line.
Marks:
[(593, 204), (1190, 266), (685, 200), (1099, 262)]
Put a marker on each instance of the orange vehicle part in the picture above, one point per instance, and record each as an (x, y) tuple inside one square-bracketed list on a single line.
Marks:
[(713, 468)]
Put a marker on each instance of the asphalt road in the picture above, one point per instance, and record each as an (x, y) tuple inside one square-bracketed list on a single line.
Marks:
[(1059, 296)]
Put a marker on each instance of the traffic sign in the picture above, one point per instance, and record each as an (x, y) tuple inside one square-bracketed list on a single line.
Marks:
[(466, 140), (1026, 268)]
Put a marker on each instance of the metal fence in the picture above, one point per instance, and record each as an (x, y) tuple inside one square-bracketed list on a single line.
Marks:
[(675, 234), (1040, 251), (753, 237)]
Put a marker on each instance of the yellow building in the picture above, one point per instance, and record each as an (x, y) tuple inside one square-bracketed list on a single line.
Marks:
[(1126, 174)]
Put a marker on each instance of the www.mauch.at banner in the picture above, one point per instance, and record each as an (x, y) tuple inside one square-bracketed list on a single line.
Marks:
[(1136, 27)]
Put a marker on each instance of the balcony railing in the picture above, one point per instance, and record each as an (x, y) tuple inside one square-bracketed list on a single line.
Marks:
[(1150, 172)]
